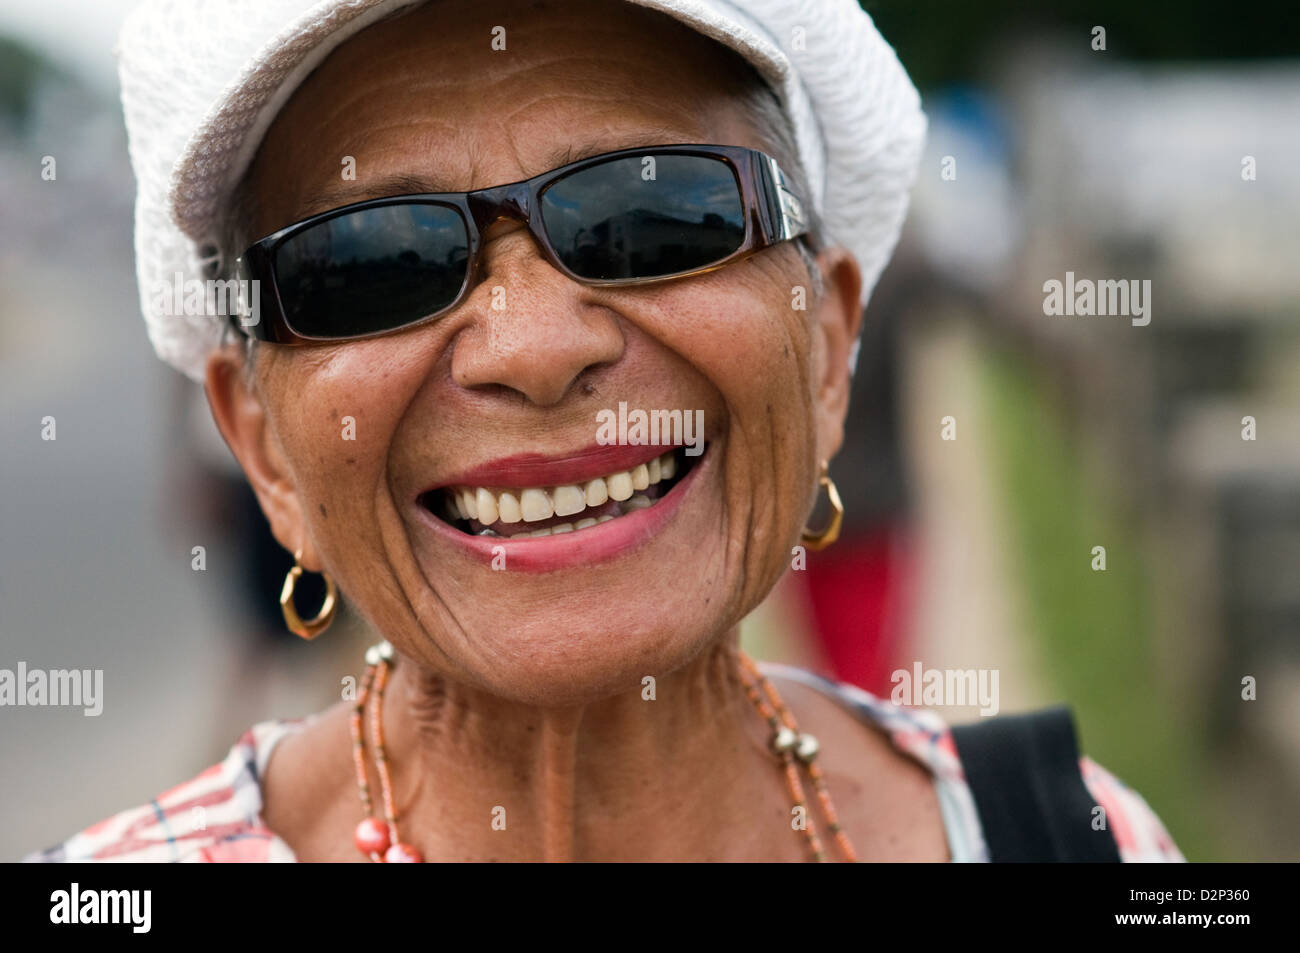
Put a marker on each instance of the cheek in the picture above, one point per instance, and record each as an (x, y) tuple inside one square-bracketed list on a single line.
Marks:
[(747, 337), (337, 411), (753, 346)]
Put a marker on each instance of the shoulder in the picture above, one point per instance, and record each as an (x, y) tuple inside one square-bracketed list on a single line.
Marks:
[(928, 739), (903, 775), (1138, 832), (916, 732), (213, 817)]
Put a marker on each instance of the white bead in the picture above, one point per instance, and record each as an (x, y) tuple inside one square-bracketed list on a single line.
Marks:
[(807, 748), (784, 740)]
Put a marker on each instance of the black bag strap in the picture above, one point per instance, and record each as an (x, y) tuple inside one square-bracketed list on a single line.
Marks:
[(1023, 771)]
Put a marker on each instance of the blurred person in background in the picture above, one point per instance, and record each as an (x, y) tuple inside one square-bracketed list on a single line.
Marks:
[(623, 209)]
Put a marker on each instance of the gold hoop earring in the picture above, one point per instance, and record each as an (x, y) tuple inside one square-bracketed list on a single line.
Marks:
[(308, 628), (821, 540)]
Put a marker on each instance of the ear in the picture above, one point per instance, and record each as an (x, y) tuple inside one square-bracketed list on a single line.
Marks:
[(836, 325), (240, 415)]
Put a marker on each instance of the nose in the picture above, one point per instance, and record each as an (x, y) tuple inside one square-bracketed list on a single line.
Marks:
[(535, 331)]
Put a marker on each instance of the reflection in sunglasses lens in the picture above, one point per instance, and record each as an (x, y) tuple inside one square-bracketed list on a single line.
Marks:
[(644, 216), (372, 270)]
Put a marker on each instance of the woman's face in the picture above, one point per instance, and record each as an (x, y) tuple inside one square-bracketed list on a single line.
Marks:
[(350, 447)]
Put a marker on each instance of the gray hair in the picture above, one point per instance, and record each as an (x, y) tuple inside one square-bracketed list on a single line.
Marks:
[(776, 134)]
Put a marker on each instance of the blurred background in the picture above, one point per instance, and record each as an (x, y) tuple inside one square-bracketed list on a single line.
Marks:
[(1173, 154)]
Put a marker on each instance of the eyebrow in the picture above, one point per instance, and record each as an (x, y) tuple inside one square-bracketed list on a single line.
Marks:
[(405, 183)]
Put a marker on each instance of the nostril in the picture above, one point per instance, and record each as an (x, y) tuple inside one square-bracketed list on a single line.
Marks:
[(531, 331)]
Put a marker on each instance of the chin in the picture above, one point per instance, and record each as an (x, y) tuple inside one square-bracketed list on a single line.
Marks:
[(578, 658)]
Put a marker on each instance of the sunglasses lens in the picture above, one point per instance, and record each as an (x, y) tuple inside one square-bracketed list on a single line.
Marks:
[(645, 216), (372, 270)]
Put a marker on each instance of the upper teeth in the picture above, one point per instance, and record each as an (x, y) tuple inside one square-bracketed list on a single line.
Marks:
[(539, 503)]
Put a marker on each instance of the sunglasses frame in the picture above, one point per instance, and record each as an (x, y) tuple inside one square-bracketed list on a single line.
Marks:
[(773, 214)]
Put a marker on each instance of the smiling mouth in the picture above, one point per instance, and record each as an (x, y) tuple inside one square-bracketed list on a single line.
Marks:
[(534, 512)]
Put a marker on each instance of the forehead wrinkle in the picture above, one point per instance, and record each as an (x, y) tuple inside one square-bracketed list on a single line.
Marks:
[(404, 172), (375, 172), (554, 59), (674, 99), (355, 100), (556, 66), (555, 49), (602, 130), (516, 114)]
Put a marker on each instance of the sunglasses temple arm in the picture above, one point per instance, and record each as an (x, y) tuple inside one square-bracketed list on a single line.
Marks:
[(256, 298), (782, 211)]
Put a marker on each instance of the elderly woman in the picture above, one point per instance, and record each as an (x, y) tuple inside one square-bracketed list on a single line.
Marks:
[(480, 233)]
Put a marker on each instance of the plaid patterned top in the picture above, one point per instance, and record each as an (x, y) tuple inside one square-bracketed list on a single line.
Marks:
[(216, 816)]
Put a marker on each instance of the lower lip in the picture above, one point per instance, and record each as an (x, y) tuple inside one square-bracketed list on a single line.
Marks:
[(581, 547)]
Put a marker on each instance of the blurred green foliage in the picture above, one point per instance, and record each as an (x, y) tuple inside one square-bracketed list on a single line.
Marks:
[(20, 69), (951, 41), (1094, 628)]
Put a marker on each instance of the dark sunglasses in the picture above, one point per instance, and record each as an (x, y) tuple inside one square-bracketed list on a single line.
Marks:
[(620, 218)]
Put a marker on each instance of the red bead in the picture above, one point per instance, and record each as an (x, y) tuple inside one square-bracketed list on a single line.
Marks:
[(371, 836), (403, 854)]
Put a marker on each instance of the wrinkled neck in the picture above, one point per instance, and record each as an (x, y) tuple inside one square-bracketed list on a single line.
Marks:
[(663, 769)]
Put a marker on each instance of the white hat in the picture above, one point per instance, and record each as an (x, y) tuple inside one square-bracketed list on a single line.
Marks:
[(202, 81)]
